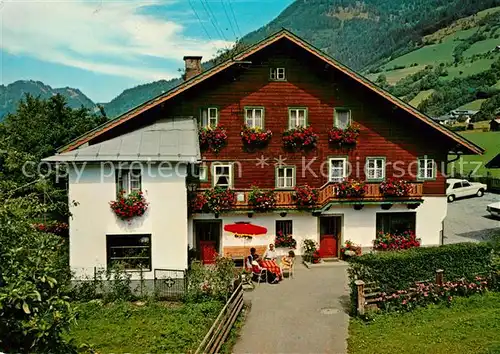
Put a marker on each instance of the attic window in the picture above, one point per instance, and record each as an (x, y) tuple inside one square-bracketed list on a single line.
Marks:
[(277, 74)]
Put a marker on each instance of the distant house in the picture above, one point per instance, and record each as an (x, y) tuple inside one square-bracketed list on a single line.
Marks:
[(463, 113), (495, 125), (494, 163), (446, 119)]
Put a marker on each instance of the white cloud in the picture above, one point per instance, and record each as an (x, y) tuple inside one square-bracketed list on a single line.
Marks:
[(108, 37)]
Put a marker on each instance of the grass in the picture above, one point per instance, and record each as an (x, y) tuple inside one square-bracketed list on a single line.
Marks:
[(481, 47), (429, 54), (153, 328), (467, 69), (474, 105), (490, 141), (422, 95), (471, 325)]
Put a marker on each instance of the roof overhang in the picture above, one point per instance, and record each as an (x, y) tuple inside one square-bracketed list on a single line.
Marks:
[(468, 146)]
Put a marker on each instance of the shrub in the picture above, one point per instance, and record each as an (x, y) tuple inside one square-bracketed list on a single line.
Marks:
[(261, 200), (129, 206), (386, 241), (53, 227), (400, 270)]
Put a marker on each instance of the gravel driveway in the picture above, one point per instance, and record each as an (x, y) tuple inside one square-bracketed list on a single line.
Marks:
[(468, 220)]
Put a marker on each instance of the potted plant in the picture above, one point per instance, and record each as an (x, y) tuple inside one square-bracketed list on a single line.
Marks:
[(261, 200), (395, 188), (219, 199), (310, 250), (300, 138), (349, 250), (348, 136), (255, 137), (212, 138), (350, 189), (198, 203), (386, 241), (129, 206), (305, 196)]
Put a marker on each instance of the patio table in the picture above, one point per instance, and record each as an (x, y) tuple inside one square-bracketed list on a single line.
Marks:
[(273, 267)]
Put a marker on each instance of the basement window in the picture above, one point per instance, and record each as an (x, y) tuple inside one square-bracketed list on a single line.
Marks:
[(133, 252)]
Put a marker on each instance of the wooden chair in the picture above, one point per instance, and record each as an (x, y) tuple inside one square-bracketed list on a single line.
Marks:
[(290, 269)]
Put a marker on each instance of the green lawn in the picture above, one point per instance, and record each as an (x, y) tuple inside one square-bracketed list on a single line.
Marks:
[(490, 141), (474, 105), (485, 46), (422, 95), (468, 69), (154, 328), (471, 325)]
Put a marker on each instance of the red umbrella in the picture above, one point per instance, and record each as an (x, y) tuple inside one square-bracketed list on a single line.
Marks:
[(245, 229)]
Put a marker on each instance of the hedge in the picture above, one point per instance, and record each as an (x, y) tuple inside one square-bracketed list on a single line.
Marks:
[(398, 270)]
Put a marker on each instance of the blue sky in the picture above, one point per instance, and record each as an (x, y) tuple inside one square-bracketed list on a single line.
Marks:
[(103, 47)]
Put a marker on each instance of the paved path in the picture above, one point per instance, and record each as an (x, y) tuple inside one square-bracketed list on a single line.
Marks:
[(468, 220), (306, 314)]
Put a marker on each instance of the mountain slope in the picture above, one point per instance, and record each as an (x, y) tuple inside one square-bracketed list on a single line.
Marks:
[(11, 94), (361, 33)]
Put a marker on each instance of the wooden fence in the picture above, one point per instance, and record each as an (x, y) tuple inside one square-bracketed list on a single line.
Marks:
[(219, 331)]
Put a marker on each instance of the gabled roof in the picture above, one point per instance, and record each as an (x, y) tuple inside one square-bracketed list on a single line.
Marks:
[(494, 163), (174, 140), (470, 147)]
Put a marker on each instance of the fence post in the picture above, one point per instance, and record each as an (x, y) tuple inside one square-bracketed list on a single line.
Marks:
[(439, 276), (360, 289)]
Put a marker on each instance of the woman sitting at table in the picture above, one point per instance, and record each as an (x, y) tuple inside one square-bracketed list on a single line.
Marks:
[(252, 257), (270, 253), (258, 271), (287, 261)]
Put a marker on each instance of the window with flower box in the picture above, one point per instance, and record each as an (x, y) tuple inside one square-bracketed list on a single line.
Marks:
[(128, 180), (277, 74), (284, 227), (254, 117), (338, 169), (426, 168), (342, 118), (396, 223), (209, 117), (222, 175), (285, 177), (133, 252), (297, 117), (375, 168)]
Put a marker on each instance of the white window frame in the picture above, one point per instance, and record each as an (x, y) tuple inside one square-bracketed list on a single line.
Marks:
[(296, 110), (209, 120), (336, 122), (288, 181), (377, 171), (252, 119), (203, 173), (215, 175), (128, 180), (429, 165), (344, 169), (277, 74)]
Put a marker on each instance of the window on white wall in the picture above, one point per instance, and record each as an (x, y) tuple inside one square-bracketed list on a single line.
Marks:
[(396, 223), (284, 227), (128, 180), (132, 252)]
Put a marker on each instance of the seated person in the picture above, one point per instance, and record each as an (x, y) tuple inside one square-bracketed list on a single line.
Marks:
[(270, 253), (252, 257), (258, 271), (287, 261)]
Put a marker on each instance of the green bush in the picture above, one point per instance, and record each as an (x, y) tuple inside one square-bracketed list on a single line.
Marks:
[(400, 270)]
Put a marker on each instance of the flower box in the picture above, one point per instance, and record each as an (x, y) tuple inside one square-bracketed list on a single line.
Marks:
[(386, 241), (212, 138), (261, 200), (305, 196), (350, 250), (129, 206), (284, 241), (395, 188), (350, 189), (348, 136), (255, 137), (300, 138), (219, 199)]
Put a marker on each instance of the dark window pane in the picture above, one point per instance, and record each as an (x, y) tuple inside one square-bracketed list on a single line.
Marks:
[(396, 223), (131, 251), (284, 226)]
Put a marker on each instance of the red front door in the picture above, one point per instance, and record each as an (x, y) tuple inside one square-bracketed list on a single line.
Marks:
[(207, 235), (329, 236)]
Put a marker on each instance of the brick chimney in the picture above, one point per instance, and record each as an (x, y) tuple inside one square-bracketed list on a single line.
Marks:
[(192, 66)]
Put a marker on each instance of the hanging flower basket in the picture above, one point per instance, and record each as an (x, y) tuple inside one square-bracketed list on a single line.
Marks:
[(350, 189), (305, 196), (198, 203), (219, 199), (348, 136), (395, 188), (254, 138), (213, 139), (300, 138), (129, 206), (284, 241), (261, 200)]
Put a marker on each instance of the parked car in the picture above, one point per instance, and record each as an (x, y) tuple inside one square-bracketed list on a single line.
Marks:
[(494, 209), (458, 188)]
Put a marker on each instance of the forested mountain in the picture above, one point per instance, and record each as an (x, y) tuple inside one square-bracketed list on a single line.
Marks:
[(11, 94), (361, 33)]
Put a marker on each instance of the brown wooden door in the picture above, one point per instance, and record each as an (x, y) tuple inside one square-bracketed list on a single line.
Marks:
[(207, 239), (329, 236)]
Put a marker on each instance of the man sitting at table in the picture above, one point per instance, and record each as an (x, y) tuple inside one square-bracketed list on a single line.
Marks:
[(270, 253)]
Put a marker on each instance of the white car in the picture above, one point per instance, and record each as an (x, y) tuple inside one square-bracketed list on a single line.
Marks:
[(494, 209), (458, 188)]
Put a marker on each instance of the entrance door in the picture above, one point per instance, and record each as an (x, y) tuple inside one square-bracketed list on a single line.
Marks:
[(329, 236), (207, 235)]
